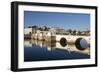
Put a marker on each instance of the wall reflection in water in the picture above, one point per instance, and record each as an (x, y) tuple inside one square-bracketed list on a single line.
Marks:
[(35, 50)]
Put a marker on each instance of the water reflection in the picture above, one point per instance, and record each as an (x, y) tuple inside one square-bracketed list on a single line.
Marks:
[(35, 50)]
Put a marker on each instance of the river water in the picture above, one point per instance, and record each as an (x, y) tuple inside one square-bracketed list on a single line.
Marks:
[(45, 51)]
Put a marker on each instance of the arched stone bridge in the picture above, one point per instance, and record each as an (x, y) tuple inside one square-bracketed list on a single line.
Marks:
[(72, 38)]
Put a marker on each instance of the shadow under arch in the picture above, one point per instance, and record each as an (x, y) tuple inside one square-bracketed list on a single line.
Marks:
[(63, 42), (81, 44)]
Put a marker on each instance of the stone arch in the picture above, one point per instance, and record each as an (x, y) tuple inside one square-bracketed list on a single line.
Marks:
[(63, 42), (79, 45)]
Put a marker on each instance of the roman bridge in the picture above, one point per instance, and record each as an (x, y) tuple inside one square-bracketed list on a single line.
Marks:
[(68, 44), (72, 38), (80, 42), (48, 36)]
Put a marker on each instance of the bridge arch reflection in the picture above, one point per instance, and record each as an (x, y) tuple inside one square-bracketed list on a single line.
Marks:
[(51, 46)]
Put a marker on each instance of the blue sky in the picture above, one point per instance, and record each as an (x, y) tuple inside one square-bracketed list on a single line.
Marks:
[(74, 21)]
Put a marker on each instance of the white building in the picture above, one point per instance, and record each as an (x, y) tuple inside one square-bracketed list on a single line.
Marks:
[(27, 31)]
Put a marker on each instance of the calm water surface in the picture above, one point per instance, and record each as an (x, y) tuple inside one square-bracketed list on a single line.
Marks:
[(42, 51)]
